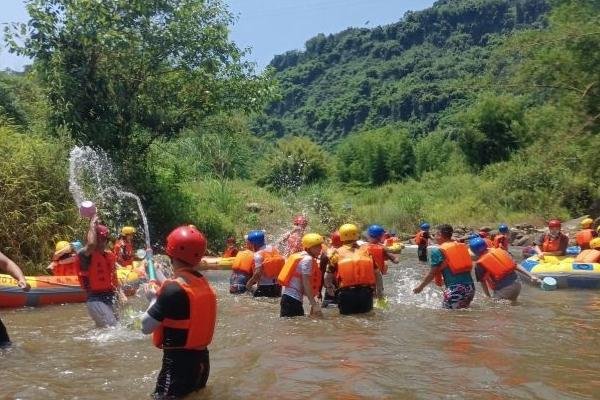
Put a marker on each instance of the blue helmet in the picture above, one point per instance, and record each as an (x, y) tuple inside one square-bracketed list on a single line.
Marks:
[(375, 231), (425, 226), (257, 238), (477, 245), (503, 228)]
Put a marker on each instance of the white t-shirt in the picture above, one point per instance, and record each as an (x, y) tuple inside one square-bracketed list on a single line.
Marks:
[(258, 260), (295, 288)]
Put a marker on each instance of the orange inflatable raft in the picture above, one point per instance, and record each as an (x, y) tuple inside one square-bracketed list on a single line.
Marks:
[(48, 289)]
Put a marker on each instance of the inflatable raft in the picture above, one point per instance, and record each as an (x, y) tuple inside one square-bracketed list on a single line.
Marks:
[(395, 248), (568, 274), (216, 263), (48, 289)]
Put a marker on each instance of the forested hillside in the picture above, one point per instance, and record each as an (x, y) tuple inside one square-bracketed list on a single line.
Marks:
[(410, 71)]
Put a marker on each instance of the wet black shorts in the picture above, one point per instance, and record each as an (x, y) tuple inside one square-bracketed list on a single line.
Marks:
[(290, 307), (267, 291), (422, 253), (355, 300), (4, 340), (183, 372)]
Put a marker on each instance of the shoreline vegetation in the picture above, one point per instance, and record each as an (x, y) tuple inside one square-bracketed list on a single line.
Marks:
[(507, 135)]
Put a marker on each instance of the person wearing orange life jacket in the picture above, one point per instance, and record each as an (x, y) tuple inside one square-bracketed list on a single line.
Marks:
[(301, 276), (486, 237), (182, 317), (586, 234), (267, 265), (591, 255), (11, 268), (377, 250), (497, 270), (335, 243), (553, 243), (422, 241), (292, 240), (502, 239), (356, 274), (241, 269), (65, 261), (451, 265), (98, 276), (231, 249), (123, 247)]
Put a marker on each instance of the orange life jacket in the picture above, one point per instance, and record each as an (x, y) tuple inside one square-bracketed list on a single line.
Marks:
[(588, 256), (498, 264), (289, 271), (501, 241), (244, 262), (66, 266), (456, 258), (583, 238), (356, 270), (420, 239), (200, 325), (124, 252), (377, 251), (101, 274), (272, 263), (551, 244), (230, 251)]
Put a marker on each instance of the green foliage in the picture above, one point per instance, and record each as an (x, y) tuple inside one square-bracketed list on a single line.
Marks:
[(36, 209), (491, 129), (375, 157), (410, 71), (121, 73), (295, 161)]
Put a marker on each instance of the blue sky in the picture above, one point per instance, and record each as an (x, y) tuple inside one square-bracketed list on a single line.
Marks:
[(272, 27)]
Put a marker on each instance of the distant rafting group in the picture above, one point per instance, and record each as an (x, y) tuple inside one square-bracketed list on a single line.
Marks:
[(342, 270)]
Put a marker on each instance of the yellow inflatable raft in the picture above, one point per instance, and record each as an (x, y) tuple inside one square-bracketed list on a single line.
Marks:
[(568, 274)]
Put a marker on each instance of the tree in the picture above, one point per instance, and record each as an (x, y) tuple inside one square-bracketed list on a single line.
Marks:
[(121, 73)]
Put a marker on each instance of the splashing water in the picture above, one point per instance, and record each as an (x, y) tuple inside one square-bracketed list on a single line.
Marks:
[(92, 177)]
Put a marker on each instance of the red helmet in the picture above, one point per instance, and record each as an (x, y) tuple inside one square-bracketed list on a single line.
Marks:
[(483, 234), (186, 244), (554, 223), (102, 231), (300, 220), (336, 241)]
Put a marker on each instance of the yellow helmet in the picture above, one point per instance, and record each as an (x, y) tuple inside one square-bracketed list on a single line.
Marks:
[(348, 232), (586, 222), (61, 246), (312, 239), (595, 243), (127, 230)]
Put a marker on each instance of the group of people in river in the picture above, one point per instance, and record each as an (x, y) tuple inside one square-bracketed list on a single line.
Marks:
[(345, 271)]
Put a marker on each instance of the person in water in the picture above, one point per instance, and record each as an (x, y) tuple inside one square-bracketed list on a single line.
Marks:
[(586, 234), (231, 249), (182, 317), (123, 248), (267, 265), (485, 235), (377, 250), (451, 265), (422, 241), (11, 268), (497, 271), (65, 261), (301, 276), (98, 276), (292, 240), (552, 243), (502, 239), (241, 269), (357, 275), (334, 243)]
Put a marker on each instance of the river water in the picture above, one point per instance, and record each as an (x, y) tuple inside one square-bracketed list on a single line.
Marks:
[(547, 347)]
